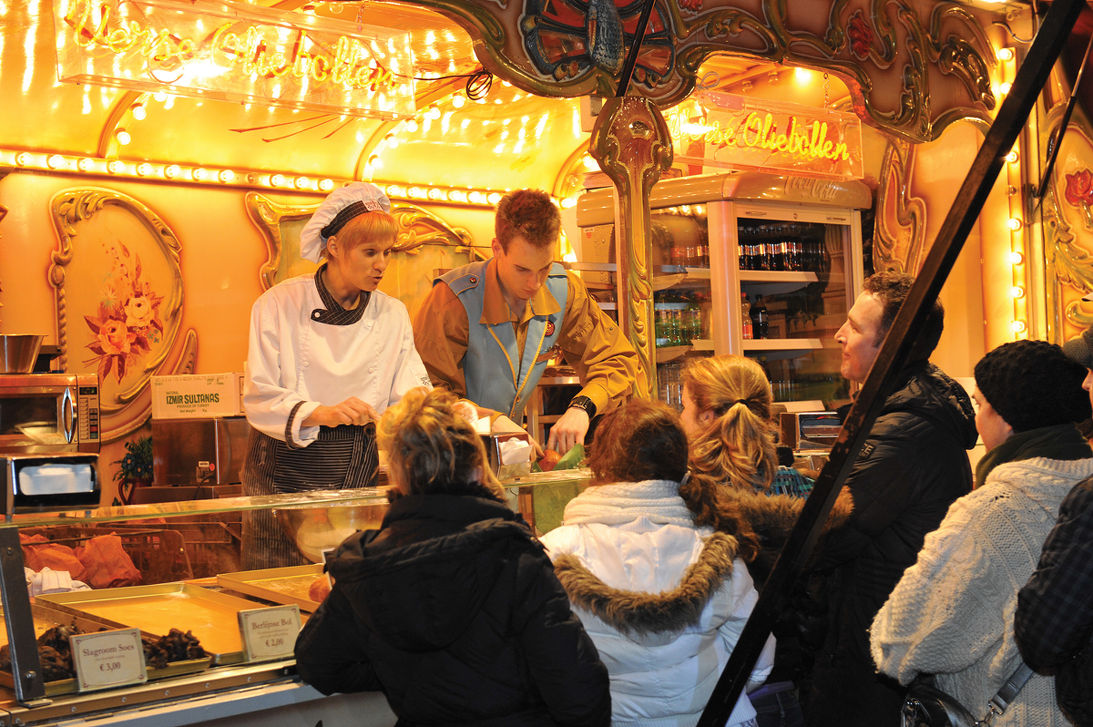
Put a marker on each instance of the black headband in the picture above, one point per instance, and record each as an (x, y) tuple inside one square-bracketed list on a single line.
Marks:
[(354, 209)]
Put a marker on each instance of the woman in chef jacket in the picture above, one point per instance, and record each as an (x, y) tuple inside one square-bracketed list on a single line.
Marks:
[(328, 353)]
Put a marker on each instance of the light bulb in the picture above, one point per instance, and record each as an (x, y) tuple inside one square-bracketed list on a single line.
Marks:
[(144, 169), (1018, 326), (171, 171), (1011, 157), (277, 180), (1013, 223), (1017, 292), (123, 137), (139, 112), (1004, 54), (226, 176), (55, 161), (326, 185)]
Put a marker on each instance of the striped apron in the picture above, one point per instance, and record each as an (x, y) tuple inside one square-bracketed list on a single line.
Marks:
[(343, 457)]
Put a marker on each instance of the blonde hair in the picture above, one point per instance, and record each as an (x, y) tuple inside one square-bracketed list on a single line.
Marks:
[(434, 450), (372, 225), (737, 448)]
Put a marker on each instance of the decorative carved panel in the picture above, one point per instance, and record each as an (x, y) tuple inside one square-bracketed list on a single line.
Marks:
[(118, 291), (426, 244)]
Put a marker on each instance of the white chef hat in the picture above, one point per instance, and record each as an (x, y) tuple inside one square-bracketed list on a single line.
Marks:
[(339, 207)]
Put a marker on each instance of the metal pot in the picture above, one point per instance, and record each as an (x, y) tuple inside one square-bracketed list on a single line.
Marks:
[(18, 352)]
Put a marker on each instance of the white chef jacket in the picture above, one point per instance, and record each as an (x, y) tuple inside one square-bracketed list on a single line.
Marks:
[(292, 358)]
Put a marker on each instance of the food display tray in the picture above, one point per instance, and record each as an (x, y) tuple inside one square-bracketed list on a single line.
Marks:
[(155, 610), (46, 618), (278, 585)]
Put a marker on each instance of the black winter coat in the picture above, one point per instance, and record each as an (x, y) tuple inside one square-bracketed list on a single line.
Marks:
[(452, 608), (913, 465)]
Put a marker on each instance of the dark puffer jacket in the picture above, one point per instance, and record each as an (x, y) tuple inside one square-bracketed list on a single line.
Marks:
[(454, 611), (911, 468)]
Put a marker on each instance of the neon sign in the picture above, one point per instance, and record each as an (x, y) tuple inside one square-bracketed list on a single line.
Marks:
[(236, 53), (738, 132)]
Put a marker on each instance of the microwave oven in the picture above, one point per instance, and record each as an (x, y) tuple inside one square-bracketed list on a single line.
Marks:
[(45, 413)]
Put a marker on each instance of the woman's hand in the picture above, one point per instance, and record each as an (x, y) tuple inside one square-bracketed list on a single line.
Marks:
[(350, 411)]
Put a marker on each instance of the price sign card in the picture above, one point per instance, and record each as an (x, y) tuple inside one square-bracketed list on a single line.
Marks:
[(108, 659), (269, 633)]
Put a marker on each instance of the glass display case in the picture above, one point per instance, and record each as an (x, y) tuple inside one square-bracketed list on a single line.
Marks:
[(748, 263), (161, 567)]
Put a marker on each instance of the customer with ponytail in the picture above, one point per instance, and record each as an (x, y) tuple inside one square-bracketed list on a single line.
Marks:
[(727, 415)]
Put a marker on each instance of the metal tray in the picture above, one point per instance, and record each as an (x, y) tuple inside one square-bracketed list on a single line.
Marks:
[(46, 617), (212, 617), (278, 585)]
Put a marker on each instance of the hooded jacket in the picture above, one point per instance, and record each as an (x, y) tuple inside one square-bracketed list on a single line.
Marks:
[(912, 467), (663, 600), (454, 611)]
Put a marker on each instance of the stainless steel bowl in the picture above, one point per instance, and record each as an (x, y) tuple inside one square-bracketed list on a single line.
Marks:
[(319, 528), (18, 352)]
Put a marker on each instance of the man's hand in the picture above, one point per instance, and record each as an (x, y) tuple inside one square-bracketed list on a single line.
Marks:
[(569, 430), (350, 411)]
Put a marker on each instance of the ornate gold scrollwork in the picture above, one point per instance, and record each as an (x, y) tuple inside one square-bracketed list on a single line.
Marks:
[(633, 146), (912, 66)]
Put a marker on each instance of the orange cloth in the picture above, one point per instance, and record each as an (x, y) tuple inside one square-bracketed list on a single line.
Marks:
[(51, 555), (591, 342), (106, 563)]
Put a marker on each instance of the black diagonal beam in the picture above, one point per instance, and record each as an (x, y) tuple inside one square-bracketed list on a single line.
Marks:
[(632, 56), (893, 353)]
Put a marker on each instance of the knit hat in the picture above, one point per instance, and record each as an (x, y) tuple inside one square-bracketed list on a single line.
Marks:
[(1033, 384), (1080, 349), (339, 207)]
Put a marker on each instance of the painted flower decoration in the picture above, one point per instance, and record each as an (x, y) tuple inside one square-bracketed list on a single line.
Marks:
[(860, 34), (127, 322), (1079, 187)]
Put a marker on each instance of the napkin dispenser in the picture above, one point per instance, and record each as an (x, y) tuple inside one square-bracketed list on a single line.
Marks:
[(509, 454), (50, 482)]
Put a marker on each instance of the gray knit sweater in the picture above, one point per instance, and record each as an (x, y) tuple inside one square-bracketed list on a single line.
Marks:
[(952, 612)]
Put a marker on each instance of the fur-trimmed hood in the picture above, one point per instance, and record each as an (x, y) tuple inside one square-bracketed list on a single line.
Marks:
[(645, 613)]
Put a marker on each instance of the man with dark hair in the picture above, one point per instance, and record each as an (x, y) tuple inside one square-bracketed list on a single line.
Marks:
[(487, 329), (912, 467)]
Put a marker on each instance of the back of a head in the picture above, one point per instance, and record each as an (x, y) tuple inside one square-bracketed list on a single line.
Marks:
[(1033, 384), (738, 447), (891, 288), (641, 440), (528, 213), (432, 449)]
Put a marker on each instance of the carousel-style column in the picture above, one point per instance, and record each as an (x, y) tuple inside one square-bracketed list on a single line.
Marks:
[(633, 147)]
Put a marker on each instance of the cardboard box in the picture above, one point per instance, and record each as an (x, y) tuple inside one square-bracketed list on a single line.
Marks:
[(196, 396)]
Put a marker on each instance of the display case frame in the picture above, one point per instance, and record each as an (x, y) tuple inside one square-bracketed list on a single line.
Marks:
[(27, 703)]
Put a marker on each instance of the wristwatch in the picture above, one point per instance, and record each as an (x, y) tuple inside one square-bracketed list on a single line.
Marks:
[(583, 402)]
